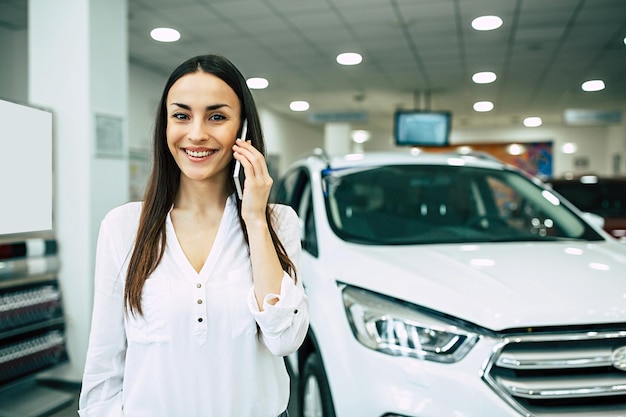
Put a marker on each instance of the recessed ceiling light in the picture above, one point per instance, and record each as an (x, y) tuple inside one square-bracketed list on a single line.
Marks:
[(483, 106), (593, 85), (532, 121), (349, 58), (257, 83), (299, 106), (360, 136), (486, 23), (165, 34), (485, 77), (569, 148), (515, 149)]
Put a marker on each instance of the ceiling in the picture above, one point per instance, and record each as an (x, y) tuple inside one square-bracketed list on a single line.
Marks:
[(416, 53)]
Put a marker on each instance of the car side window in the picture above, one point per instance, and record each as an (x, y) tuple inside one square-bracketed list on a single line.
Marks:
[(294, 189), (286, 189), (307, 216)]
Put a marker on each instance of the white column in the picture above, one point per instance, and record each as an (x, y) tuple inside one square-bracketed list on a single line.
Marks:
[(77, 67), (616, 152), (337, 140)]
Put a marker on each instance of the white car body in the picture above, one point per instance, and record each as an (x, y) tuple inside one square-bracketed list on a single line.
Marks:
[(556, 306)]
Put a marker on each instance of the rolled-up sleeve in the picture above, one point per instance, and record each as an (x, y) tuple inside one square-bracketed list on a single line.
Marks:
[(284, 324), (101, 392)]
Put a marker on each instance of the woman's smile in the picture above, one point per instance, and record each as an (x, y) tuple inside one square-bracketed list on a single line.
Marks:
[(198, 154)]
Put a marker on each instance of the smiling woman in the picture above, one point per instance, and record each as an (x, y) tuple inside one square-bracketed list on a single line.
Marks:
[(210, 301), (203, 120)]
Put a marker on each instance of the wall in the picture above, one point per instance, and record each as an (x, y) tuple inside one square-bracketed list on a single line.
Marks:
[(597, 144), (144, 92), (287, 139), (13, 74), (616, 149), (81, 84), (590, 141)]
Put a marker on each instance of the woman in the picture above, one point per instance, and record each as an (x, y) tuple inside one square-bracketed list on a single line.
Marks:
[(196, 295)]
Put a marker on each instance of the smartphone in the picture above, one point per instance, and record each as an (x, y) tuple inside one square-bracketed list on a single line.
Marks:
[(238, 174)]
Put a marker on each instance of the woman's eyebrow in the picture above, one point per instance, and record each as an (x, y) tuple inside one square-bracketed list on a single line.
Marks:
[(207, 108)]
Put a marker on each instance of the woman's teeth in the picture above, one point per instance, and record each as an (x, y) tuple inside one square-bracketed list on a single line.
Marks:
[(197, 154)]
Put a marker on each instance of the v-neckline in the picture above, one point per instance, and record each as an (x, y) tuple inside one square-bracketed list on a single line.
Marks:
[(216, 248)]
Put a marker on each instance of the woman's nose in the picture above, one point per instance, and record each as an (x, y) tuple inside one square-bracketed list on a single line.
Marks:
[(198, 131)]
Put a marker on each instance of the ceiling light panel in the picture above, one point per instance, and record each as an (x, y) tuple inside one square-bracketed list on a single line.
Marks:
[(483, 106), (349, 58), (593, 85), (533, 121), (299, 105), (257, 83), (488, 22), (485, 77), (164, 34)]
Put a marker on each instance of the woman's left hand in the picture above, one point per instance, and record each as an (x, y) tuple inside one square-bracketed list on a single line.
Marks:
[(257, 184)]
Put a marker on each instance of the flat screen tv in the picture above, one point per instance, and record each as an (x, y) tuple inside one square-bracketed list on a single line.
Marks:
[(422, 128)]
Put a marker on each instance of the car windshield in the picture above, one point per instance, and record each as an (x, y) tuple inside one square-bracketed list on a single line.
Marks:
[(419, 204)]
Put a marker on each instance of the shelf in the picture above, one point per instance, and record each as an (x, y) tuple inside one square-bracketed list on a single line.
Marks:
[(25, 280), (56, 322), (29, 399), (32, 329)]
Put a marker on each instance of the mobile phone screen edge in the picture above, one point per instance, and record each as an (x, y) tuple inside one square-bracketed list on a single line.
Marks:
[(237, 173)]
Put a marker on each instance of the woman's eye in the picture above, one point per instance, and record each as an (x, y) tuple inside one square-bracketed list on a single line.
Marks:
[(217, 117), (180, 116)]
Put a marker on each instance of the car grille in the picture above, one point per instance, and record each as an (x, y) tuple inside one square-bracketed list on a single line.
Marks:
[(561, 374)]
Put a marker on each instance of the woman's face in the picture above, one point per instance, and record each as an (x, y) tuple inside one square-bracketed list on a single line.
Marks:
[(202, 124)]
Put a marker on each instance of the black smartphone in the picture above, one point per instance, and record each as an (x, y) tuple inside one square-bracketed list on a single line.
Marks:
[(238, 174)]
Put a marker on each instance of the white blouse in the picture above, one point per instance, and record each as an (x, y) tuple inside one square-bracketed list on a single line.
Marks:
[(202, 347)]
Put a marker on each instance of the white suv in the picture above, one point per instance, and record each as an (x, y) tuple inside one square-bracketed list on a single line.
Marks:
[(449, 285)]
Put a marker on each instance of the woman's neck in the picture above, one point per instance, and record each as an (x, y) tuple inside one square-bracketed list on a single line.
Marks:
[(201, 195)]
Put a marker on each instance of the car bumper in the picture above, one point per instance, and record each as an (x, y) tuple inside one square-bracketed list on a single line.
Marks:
[(370, 383)]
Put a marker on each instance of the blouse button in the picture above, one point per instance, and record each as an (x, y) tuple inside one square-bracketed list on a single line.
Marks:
[(198, 285), (199, 301), (199, 319), (295, 311)]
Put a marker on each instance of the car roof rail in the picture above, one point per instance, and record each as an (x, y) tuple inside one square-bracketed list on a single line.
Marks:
[(478, 155)]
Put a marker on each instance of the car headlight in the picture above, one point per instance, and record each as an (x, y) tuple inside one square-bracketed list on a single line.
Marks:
[(401, 329)]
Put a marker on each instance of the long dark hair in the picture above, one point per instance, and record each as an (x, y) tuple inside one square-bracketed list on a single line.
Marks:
[(164, 179)]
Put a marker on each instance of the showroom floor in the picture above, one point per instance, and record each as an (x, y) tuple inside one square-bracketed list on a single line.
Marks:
[(70, 410)]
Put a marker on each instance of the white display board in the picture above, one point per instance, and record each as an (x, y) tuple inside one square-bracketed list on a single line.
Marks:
[(25, 169)]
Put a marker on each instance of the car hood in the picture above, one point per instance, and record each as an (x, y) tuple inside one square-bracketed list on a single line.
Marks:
[(498, 286)]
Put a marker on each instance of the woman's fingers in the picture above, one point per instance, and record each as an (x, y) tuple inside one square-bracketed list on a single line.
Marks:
[(258, 182), (250, 158)]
